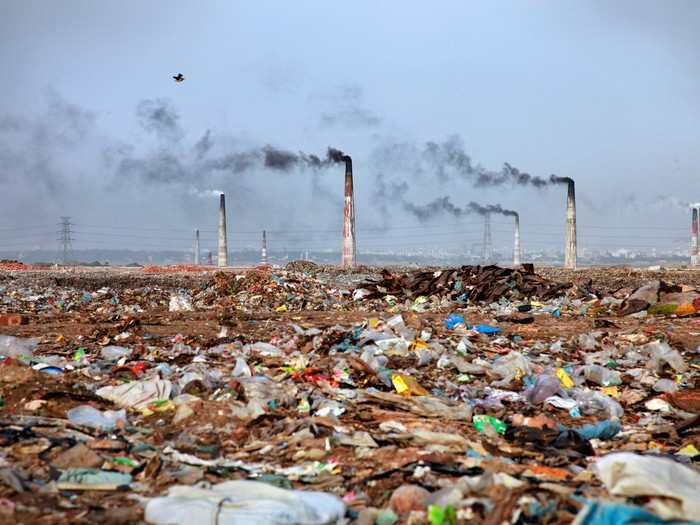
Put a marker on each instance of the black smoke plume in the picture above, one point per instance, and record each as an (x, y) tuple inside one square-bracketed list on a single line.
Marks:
[(555, 179), (490, 208), (444, 205), (160, 117)]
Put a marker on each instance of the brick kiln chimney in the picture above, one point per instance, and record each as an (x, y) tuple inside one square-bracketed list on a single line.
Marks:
[(223, 244), (349, 244), (516, 240), (263, 251), (694, 237), (196, 247), (570, 248)]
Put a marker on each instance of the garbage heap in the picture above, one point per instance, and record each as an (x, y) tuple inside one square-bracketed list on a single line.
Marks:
[(466, 284), (177, 399)]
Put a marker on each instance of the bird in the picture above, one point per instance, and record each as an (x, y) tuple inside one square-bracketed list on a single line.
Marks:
[(179, 77)]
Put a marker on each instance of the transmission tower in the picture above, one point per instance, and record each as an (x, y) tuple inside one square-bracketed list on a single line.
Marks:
[(65, 238), (487, 253)]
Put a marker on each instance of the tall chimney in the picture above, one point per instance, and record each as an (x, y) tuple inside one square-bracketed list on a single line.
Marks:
[(223, 244), (349, 245), (570, 241), (516, 247), (196, 247), (487, 246), (263, 252), (694, 237)]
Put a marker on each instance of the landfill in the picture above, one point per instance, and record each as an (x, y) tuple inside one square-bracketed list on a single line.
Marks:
[(308, 394)]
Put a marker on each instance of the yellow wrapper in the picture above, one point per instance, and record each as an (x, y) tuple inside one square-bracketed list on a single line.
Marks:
[(564, 378), (407, 385), (611, 391)]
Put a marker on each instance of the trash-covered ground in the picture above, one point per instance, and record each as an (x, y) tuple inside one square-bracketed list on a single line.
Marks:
[(313, 395)]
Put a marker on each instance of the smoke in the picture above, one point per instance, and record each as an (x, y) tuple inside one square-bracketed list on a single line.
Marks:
[(170, 163), (203, 145), (495, 209), (437, 206), (286, 160), (32, 148), (448, 161), (346, 108), (669, 201), (555, 179), (159, 117), (443, 205)]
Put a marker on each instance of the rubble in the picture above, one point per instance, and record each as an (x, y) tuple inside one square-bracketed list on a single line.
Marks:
[(315, 395)]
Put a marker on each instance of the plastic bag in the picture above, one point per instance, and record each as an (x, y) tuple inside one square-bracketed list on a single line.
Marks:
[(661, 354), (510, 367), (599, 375), (545, 386), (114, 353), (91, 417), (18, 347), (593, 402), (631, 475), (243, 503)]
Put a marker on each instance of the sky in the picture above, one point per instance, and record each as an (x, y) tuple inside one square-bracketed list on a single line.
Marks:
[(92, 125)]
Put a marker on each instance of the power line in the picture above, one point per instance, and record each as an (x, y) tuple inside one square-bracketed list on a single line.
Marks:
[(65, 238)]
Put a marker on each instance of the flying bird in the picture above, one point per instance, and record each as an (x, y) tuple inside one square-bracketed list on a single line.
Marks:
[(179, 77)]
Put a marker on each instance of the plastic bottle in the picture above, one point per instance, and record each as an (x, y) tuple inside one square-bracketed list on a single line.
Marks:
[(544, 387)]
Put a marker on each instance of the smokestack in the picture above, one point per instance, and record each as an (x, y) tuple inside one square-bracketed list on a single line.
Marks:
[(223, 244), (516, 247), (196, 247), (263, 252), (694, 237), (570, 241), (349, 245), (487, 248)]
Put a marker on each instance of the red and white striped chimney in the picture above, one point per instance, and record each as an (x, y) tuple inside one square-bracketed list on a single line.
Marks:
[(349, 244), (570, 250)]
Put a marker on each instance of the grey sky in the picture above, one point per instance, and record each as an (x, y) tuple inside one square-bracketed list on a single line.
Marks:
[(607, 93)]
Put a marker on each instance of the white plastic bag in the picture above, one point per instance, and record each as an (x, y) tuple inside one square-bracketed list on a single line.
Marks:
[(243, 503)]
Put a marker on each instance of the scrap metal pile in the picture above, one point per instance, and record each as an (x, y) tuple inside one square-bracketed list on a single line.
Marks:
[(301, 396), (468, 283)]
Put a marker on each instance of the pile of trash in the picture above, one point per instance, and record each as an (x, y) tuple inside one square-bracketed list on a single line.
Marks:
[(468, 283), (203, 407), (280, 291), (176, 268), (660, 297)]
